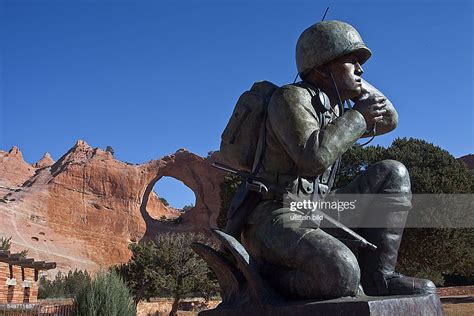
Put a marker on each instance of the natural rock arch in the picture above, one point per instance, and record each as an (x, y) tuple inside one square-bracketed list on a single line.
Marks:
[(197, 174)]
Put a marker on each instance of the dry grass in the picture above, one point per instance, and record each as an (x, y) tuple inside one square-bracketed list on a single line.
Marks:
[(461, 309)]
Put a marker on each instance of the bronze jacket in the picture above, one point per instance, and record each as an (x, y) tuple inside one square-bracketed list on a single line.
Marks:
[(299, 147)]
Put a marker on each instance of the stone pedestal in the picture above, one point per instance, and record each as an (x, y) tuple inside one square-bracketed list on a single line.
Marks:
[(354, 306)]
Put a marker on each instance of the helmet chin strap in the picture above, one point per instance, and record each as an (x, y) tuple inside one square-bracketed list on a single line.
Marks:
[(341, 105), (341, 109)]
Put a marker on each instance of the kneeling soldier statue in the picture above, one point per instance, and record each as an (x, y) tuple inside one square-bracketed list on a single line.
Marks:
[(306, 131)]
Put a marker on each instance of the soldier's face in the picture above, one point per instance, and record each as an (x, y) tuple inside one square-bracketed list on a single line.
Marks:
[(347, 74)]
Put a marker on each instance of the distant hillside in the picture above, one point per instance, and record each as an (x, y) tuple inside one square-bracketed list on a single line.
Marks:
[(468, 160)]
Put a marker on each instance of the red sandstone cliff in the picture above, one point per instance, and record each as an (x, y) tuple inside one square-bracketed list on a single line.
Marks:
[(83, 210), (14, 171)]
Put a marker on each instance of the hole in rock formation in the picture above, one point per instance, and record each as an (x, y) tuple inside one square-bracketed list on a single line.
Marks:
[(35, 238), (169, 198), (176, 193)]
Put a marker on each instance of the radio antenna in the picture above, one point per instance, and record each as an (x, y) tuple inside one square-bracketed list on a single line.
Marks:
[(325, 12)]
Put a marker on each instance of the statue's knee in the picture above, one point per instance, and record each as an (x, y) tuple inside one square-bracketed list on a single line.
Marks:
[(393, 168), (396, 173)]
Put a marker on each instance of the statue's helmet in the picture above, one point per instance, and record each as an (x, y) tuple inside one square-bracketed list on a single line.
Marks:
[(327, 40)]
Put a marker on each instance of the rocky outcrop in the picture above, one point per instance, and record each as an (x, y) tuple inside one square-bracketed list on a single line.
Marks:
[(468, 160), (46, 161), (83, 210), (14, 171), (157, 210)]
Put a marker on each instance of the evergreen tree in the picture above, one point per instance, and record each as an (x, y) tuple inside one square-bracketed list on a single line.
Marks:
[(425, 252), (227, 191), (167, 266)]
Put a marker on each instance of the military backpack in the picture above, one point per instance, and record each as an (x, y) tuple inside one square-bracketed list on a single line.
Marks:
[(243, 139)]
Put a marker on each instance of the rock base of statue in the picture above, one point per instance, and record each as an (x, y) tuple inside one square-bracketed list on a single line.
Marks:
[(355, 306)]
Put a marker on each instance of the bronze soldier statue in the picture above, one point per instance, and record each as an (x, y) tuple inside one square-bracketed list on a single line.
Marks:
[(307, 131)]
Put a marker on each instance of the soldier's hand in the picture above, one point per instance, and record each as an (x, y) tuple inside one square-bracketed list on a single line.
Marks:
[(372, 109)]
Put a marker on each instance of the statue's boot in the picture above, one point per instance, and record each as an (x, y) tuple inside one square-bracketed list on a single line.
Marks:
[(378, 276)]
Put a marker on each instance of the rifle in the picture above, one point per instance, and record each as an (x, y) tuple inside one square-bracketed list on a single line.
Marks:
[(253, 183)]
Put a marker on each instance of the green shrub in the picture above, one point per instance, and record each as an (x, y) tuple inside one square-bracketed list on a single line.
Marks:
[(164, 201), (227, 191), (106, 295), (110, 150), (187, 207), (5, 244), (63, 286)]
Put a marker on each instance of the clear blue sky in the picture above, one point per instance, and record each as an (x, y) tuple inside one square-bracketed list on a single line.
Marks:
[(149, 77)]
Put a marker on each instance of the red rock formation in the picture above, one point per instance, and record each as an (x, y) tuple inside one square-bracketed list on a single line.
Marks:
[(468, 160), (46, 161), (14, 171), (157, 210), (83, 210)]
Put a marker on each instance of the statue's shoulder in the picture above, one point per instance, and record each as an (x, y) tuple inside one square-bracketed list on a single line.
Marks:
[(291, 94)]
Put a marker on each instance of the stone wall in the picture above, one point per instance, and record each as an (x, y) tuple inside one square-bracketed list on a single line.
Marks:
[(162, 306)]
